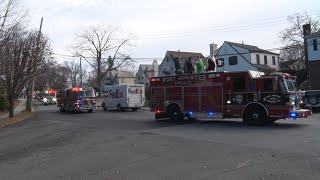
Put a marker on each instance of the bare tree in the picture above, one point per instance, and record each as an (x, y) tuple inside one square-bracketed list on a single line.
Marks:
[(74, 71), (22, 58), (292, 37), (11, 14), (107, 49)]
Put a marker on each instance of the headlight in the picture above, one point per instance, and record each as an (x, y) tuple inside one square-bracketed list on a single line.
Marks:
[(292, 98), (54, 99), (45, 99)]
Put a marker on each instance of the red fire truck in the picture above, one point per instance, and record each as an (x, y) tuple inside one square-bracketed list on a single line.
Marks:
[(77, 99), (257, 98)]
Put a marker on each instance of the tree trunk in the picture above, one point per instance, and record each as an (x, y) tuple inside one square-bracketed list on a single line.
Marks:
[(11, 106)]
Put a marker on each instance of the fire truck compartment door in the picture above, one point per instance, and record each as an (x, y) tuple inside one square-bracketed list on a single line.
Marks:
[(204, 99)]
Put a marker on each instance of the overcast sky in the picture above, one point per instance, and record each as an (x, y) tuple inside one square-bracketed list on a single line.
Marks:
[(186, 25)]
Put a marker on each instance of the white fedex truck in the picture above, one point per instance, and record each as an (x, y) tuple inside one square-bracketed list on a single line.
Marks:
[(123, 97)]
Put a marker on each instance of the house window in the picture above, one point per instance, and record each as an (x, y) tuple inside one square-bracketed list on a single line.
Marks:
[(220, 62), (273, 60), (265, 60), (258, 58), (233, 60), (315, 45), (122, 80)]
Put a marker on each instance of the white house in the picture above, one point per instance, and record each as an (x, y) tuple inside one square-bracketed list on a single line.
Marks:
[(167, 67), (313, 49), (238, 57), (116, 77), (146, 71)]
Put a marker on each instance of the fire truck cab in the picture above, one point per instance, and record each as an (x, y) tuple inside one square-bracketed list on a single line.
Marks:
[(257, 98), (77, 99)]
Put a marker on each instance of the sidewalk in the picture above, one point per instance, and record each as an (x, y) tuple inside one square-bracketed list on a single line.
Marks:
[(20, 107)]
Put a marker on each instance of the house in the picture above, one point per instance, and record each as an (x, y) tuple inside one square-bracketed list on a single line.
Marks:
[(146, 71), (233, 56), (291, 66), (167, 67), (313, 49), (116, 77)]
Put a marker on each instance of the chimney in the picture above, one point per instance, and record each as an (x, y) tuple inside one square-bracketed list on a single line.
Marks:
[(155, 67), (306, 29), (213, 48)]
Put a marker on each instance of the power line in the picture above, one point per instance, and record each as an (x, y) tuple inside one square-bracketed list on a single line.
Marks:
[(156, 58)]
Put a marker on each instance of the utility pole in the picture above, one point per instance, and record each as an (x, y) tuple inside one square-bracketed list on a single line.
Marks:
[(306, 31), (80, 74), (33, 79)]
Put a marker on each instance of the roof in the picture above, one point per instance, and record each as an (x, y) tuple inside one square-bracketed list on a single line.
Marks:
[(251, 48), (316, 34), (125, 74), (119, 74), (288, 63), (146, 67), (184, 56), (261, 66)]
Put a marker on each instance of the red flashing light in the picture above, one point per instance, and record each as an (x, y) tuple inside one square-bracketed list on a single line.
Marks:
[(153, 80), (158, 111), (75, 89)]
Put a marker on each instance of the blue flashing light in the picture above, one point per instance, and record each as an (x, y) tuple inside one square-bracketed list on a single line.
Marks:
[(294, 115), (211, 113), (190, 113)]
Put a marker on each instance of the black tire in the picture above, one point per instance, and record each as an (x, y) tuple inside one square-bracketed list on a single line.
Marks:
[(255, 115), (119, 108), (104, 106), (174, 113), (313, 100), (135, 109), (62, 109), (90, 110)]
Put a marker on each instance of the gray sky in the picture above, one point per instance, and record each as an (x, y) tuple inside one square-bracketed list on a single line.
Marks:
[(186, 25)]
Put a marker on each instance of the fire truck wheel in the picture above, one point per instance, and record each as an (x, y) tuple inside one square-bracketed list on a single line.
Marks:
[(174, 113), (255, 115)]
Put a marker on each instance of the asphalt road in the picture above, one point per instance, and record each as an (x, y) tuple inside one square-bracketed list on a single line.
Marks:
[(132, 145)]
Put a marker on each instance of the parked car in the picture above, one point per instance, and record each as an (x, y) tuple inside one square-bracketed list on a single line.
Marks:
[(311, 98)]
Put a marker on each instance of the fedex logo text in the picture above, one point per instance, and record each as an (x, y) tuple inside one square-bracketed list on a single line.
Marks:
[(116, 94), (135, 91)]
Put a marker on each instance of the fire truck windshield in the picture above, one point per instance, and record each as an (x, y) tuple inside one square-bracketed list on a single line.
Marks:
[(288, 85), (84, 94)]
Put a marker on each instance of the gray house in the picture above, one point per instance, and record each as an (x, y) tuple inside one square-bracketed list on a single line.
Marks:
[(146, 71), (167, 67), (239, 57)]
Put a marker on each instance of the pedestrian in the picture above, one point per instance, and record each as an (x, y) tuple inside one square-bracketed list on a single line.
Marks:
[(177, 65), (189, 67), (200, 65), (211, 64)]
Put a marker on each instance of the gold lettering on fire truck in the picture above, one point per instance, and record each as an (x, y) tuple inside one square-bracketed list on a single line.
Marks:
[(184, 79), (272, 98)]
